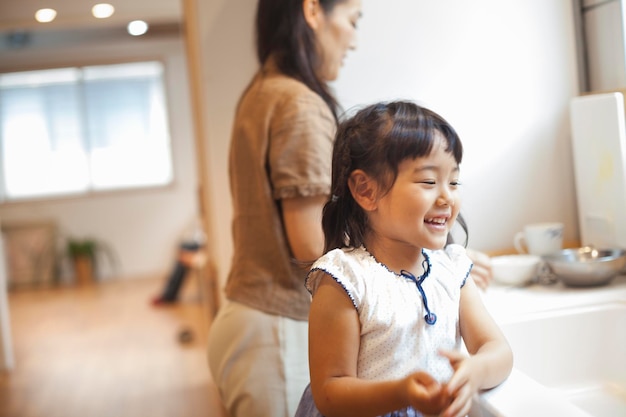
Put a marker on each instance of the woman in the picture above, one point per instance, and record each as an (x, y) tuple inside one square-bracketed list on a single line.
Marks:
[(280, 171)]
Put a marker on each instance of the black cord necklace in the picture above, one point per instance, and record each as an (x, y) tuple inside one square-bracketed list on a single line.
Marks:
[(430, 317)]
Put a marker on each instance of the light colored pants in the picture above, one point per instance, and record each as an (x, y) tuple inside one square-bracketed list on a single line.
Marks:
[(259, 361)]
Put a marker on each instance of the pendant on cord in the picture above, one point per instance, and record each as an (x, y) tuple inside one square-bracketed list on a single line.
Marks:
[(430, 317)]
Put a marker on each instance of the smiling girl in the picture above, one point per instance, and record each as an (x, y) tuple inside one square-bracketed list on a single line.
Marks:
[(392, 304)]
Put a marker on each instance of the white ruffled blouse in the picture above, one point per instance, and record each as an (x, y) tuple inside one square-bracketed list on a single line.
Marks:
[(396, 339)]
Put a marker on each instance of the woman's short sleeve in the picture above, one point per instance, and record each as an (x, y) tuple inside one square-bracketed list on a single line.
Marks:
[(300, 148)]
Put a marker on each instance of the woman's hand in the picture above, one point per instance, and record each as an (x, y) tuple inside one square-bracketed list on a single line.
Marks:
[(482, 272)]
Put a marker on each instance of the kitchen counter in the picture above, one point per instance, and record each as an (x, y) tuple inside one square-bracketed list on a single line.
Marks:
[(509, 303), (520, 395)]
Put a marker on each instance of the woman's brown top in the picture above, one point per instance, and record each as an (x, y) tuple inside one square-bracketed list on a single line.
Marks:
[(281, 147)]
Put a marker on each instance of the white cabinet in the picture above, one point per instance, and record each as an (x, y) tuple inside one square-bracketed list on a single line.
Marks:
[(603, 22)]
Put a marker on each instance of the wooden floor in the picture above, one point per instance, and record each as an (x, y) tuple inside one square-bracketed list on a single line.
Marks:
[(105, 351)]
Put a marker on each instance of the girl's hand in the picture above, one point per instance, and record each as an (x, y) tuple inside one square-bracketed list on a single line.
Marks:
[(425, 394), (461, 386)]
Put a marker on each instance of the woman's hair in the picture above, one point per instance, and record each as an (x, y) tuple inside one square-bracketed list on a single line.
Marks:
[(282, 32), (376, 140)]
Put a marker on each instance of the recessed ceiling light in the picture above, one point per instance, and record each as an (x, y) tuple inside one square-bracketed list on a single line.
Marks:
[(102, 10), (137, 27), (45, 15)]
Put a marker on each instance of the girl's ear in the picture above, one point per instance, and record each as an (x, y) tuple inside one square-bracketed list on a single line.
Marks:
[(313, 13), (363, 190)]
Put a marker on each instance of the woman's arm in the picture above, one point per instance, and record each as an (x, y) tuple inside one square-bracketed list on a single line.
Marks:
[(334, 340), (302, 217), (490, 361)]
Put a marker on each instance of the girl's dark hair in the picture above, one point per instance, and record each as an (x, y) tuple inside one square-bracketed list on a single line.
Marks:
[(376, 140), (282, 32)]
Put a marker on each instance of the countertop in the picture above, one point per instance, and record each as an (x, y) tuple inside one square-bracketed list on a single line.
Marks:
[(510, 303), (519, 395)]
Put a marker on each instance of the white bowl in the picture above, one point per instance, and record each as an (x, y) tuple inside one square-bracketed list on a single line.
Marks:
[(515, 269)]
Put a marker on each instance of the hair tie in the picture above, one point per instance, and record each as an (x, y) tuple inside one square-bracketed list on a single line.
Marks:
[(334, 198)]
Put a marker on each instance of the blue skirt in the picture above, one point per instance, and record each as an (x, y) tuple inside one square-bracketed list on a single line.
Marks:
[(307, 408)]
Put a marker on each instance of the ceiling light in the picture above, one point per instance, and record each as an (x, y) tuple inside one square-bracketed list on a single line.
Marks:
[(102, 10), (45, 15), (137, 27)]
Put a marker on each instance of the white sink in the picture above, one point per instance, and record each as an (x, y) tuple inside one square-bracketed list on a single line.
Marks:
[(579, 352)]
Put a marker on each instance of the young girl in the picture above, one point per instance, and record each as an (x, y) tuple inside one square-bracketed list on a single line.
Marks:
[(390, 304)]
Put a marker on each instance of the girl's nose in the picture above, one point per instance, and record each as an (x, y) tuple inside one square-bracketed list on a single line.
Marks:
[(445, 198)]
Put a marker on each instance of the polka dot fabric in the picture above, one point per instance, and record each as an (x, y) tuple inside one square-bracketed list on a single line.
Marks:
[(395, 338)]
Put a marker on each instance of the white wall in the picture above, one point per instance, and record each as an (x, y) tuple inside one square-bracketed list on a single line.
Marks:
[(502, 72), (144, 227)]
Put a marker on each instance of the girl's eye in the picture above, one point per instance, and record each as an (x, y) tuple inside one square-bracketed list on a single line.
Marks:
[(455, 183), (429, 182)]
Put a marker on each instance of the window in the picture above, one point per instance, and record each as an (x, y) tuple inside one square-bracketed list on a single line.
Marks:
[(77, 130)]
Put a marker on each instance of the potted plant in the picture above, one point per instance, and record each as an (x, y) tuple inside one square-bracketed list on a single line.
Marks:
[(84, 255)]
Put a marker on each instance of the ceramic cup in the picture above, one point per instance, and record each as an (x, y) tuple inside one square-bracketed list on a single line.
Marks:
[(539, 238)]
